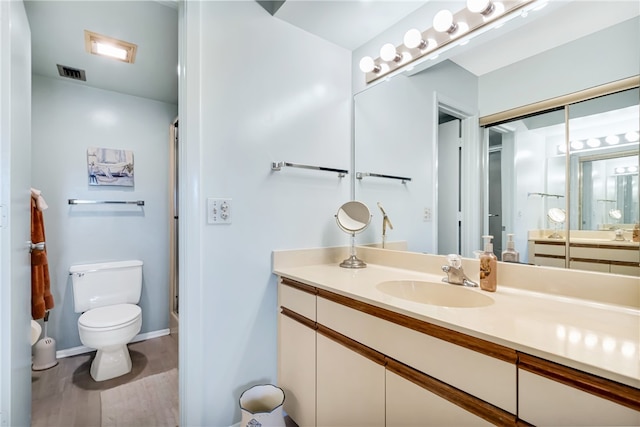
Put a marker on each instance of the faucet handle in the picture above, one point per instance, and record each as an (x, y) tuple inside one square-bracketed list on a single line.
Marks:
[(454, 260)]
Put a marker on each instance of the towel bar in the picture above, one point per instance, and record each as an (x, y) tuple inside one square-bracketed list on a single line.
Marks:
[(361, 175), (106, 202), (276, 166)]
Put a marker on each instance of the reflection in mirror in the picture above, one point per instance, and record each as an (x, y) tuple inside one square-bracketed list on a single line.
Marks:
[(602, 208), (520, 196), (353, 217)]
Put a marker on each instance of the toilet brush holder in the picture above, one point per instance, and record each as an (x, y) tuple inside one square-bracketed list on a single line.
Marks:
[(44, 351), (44, 354)]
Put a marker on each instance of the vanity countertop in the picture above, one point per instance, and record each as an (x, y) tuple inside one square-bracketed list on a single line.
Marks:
[(595, 337)]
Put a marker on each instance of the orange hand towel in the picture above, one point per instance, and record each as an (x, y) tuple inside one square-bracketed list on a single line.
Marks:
[(41, 298)]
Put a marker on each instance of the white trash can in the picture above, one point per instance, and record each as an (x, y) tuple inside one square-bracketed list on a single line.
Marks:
[(261, 406)]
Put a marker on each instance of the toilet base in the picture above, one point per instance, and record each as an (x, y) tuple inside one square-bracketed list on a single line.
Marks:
[(111, 362)]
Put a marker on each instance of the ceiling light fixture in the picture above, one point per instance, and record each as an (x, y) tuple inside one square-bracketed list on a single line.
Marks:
[(443, 22), (631, 136), (98, 44), (577, 145), (388, 53), (593, 142), (612, 139), (367, 65), (449, 30), (484, 7), (413, 39)]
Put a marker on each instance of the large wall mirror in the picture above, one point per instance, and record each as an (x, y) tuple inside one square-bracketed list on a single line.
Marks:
[(555, 179)]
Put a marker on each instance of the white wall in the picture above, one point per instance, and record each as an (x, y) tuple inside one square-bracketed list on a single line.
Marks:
[(15, 151), (257, 90), (67, 119), (602, 57)]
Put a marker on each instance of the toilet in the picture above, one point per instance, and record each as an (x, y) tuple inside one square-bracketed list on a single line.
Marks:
[(106, 294)]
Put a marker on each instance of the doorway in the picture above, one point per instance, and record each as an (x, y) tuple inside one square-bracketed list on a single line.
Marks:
[(174, 203)]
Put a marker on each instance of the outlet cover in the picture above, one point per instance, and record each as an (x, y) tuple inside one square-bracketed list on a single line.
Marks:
[(218, 211)]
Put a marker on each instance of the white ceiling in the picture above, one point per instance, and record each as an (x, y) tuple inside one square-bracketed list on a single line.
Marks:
[(347, 23), (351, 24), (57, 33), (57, 37)]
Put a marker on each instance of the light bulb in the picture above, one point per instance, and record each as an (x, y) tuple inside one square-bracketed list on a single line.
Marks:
[(484, 7), (620, 169), (413, 39), (632, 169), (443, 22), (593, 142), (612, 139), (367, 65), (562, 148), (631, 136), (388, 53), (577, 145)]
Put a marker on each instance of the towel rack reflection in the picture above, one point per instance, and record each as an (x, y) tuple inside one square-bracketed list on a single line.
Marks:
[(276, 166), (361, 175), (545, 195), (106, 202)]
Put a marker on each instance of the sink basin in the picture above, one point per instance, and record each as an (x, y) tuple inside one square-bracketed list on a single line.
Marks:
[(434, 293)]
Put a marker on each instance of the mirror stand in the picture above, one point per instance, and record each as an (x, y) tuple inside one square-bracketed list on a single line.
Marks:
[(353, 261), (352, 218)]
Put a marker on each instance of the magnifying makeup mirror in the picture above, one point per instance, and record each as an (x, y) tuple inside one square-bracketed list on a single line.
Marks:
[(615, 214), (353, 217), (556, 216)]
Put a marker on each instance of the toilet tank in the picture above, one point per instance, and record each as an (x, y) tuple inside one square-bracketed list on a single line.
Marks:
[(108, 283)]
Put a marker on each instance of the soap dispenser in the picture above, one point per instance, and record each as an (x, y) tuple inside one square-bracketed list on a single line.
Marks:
[(488, 266), (510, 254)]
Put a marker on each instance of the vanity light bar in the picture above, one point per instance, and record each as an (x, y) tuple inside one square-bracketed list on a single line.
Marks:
[(448, 30), (620, 140)]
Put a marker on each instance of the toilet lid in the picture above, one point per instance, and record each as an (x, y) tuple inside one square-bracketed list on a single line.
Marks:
[(109, 316)]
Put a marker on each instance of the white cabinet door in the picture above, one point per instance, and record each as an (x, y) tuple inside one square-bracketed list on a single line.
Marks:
[(409, 405), (297, 370), (545, 402), (351, 389)]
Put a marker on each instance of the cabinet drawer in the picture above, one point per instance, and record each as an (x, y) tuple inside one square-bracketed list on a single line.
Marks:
[(298, 298), (546, 402), (604, 253), (542, 249), (625, 269), (411, 405), (590, 266), (486, 377)]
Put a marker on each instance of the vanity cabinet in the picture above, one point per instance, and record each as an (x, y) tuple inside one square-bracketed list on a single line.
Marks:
[(409, 404), (350, 363), (350, 386), (601, 257), (551, 394), (339, 365), (297, 352)]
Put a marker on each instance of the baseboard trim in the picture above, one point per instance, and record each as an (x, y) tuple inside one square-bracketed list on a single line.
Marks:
[(81, 349)]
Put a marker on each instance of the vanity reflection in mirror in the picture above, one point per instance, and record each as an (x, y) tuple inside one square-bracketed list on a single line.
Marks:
[(598, 139), (507, 175)]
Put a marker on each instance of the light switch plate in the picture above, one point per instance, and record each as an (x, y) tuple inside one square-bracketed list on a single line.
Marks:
[(218, 211)]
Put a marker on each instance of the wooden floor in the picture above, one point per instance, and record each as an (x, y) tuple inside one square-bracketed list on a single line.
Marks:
[(67, 396)]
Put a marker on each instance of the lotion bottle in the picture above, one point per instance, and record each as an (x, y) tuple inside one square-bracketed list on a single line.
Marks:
[(510, 254), (488, 266)]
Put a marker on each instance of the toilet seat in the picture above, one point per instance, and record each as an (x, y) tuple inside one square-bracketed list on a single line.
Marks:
[(110, 317)]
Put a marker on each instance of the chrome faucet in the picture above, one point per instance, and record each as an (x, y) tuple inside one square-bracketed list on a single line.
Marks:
[(455, 274)]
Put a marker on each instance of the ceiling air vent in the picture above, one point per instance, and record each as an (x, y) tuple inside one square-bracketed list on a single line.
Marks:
[(71, 73)]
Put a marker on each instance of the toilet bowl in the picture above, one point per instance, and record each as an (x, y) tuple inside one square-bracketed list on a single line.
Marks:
[(108, 329), (107, 295)]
